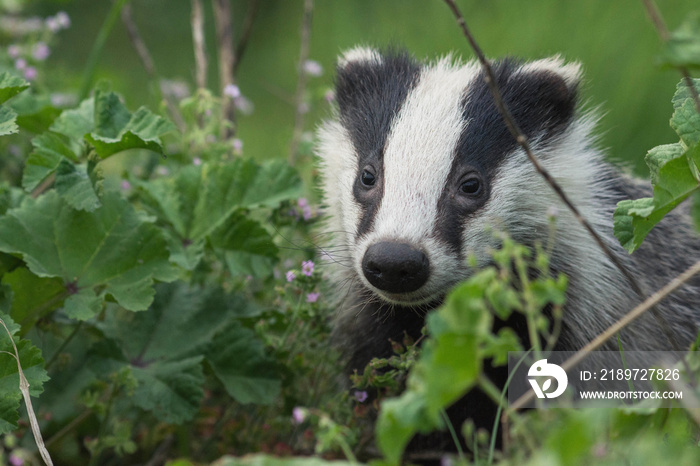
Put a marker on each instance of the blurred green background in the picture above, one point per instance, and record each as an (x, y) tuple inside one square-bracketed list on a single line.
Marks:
[(614, 40)]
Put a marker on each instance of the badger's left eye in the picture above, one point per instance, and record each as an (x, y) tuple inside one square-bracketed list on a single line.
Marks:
[(470, 186)]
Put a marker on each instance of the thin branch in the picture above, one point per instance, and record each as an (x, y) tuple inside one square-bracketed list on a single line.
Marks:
[(628, 318), (224, 41), (148, 64), (245, 34), (660, 25), (299, 103), (522, 140), (24, 388), (200, 51)]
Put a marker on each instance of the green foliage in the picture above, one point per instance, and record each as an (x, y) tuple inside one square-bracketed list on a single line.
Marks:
[(683, 46), (9, 87), (32, 365), (675, 175)]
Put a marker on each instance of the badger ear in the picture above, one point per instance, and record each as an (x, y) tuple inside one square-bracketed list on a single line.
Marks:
[(542, 95), (359, 56)]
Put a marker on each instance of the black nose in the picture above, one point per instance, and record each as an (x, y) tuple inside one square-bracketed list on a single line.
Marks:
[(395, 267)]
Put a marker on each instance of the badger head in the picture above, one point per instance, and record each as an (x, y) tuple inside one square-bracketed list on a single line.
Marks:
[(418, 165)]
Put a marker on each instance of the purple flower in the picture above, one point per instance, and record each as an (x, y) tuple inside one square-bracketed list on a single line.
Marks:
[(312, 297), (298, 415), (237, 146), (361, 396), (232, 91), (197, 161), (306, 212), (312, 68), (243, 105), (16, 460), (20, 64), (302, 202), (307, 268), (63, 19), (14, 50), (30, 73), (291, 276), (126, 185), (41, 51)]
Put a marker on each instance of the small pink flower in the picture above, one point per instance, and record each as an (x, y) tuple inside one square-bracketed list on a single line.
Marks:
[(14, 50), (16, 460), (63, 19), (312, 297), (237, 146), (298, 415), (306, 212), (41, 51), (126, 185), (312, 68), (302, 202), (361, 396), (307, 268), (30, 73), (20, 64), (197, 161), (232, 91), (291, 276)]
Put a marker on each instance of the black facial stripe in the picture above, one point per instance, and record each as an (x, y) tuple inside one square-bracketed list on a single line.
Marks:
[(542, 105), (369, 96)]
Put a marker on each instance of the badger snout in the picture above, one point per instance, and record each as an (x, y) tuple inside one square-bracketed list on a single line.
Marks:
[(395, 267)]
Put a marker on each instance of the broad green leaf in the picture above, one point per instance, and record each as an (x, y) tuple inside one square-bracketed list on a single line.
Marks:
[(111, 247), (399, 420), (165, 348), (8, 124), (268, 460), (33, 297), (117, 130), (206, 202), (10, 86), (239, 361), (32, 365), (683, 47), (35, 112), (683, 92), (248, 247), (75, 187), (673, 182), (76, 123), (686, 122), (49, 149)]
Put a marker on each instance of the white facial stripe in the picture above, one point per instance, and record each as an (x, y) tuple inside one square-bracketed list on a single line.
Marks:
[(419, 152)]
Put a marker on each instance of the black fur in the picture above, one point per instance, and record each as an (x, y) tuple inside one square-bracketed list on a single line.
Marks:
[(369, 95)]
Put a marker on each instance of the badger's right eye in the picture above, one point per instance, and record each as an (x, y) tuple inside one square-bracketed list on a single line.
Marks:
[(367, 178)]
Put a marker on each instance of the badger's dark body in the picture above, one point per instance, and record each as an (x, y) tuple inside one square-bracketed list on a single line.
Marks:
[(419, 156)]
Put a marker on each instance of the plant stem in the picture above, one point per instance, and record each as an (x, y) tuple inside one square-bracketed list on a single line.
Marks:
[(100, 41)]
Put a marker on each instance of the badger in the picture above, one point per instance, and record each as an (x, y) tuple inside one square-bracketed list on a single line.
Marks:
[(418, 168)]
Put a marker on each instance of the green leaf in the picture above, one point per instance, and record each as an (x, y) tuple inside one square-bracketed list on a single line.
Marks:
[(10, 86), (206, 202), (683, 47), (239, 361), (117, 130), (75, 187), (8, 119), (33, 297), (399, 419), (76, 123), (49, 149), (248, 247), (166, 346), (686, 122), (111, 247), (673, 177), (35, 112), (32, 365)]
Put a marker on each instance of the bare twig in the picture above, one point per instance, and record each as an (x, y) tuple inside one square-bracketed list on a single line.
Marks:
[(299, 103), (24, 388), (245, 33), (148, 64), (200, 52), (522, 140), (635, 313), (660, 25), (224, 41)]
